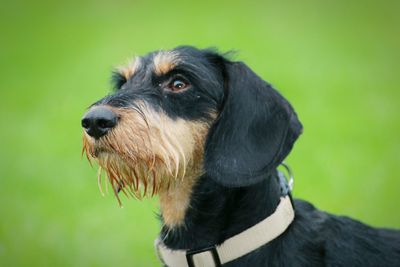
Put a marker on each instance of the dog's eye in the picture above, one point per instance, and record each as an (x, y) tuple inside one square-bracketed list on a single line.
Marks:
[(178, 84)]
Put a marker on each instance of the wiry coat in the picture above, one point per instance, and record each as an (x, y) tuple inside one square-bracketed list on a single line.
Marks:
[(207, 135)]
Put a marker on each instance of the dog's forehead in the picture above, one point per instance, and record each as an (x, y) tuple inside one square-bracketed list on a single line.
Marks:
[(161, 62), (130, 69), (165, 61)]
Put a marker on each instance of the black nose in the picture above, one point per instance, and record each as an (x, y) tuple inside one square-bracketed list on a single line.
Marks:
[(98, 121)]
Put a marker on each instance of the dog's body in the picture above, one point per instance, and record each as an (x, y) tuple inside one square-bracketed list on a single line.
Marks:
[(207, 135), (315, 238)]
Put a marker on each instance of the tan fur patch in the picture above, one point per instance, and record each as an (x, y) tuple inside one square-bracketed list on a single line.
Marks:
[(150, 153), (129, 69), (165, 61), (175, 201)]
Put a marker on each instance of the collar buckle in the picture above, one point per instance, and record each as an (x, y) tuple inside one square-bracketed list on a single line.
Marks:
[(211, 250)]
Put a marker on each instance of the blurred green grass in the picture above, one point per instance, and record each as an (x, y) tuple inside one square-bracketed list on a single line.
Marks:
[(337, 62)]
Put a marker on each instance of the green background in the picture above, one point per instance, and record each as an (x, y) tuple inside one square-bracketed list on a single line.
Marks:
[(337, 62)]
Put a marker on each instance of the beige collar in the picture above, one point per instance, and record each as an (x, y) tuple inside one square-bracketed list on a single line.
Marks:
[(235, 246)]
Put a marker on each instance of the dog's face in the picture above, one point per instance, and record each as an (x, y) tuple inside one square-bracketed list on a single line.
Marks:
[(180, 113)]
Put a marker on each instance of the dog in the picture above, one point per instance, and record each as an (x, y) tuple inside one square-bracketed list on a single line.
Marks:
[(206, 135)]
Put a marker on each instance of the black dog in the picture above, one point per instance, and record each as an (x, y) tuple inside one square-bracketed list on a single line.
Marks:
[(207, 135)]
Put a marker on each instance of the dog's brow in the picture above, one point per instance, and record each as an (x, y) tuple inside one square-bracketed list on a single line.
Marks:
[(165, 61), (131, 68)]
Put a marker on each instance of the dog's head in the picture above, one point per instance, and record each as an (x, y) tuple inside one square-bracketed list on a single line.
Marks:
[(183, 112)]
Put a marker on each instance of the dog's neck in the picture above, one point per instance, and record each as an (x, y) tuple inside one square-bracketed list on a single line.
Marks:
[(216, 213)]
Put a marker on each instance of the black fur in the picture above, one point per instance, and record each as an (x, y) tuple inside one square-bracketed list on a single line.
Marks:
[(258, 118), (255, 130)]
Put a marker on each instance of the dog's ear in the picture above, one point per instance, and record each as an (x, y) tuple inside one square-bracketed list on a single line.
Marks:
[(254, 132)]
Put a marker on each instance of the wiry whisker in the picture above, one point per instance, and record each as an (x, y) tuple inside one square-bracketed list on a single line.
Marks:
[(165, 159), (86, 149), (106, 187), (154, 183), (136, 181), (178, 147), (153, 156), (147, 134), (114, 184), (171, 155), (99, 179)]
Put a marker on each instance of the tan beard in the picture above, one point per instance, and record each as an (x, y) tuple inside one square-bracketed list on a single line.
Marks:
[(148, 153)]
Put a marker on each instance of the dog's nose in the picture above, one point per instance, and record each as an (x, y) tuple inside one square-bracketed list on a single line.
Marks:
[(98, 121)]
